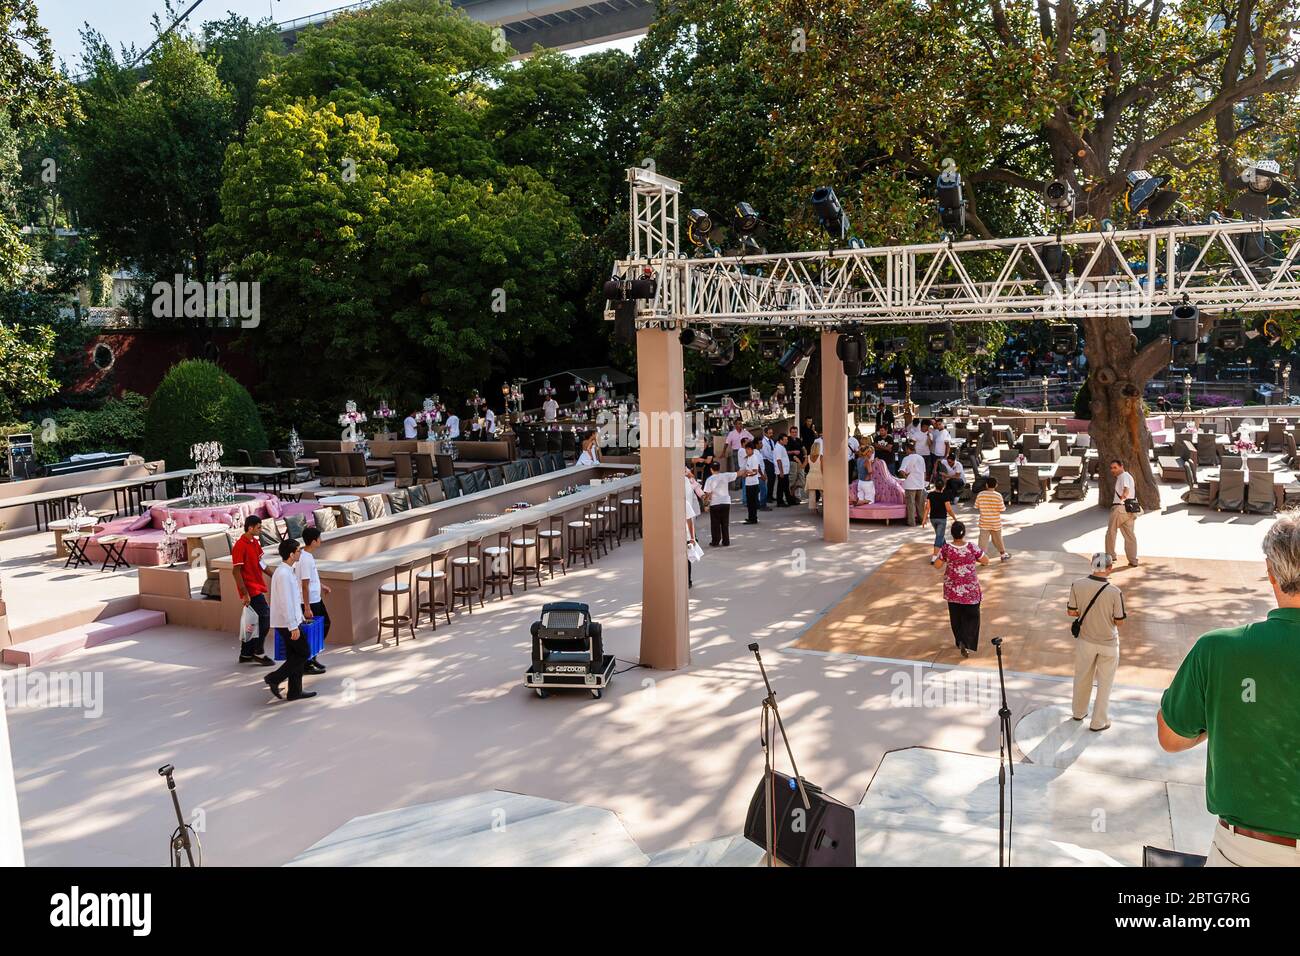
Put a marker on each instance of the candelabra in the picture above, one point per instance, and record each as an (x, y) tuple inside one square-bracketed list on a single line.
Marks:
[(513, 393), (1286, 384), (431, 412), (209, 484), (1187, 392), (296, 448), (170, 541), (350, 419), (384, 413), (907, 387), (1044, 393), (964, 378)]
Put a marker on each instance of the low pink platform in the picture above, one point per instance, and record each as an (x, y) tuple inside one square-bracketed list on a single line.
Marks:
[(41, 649), (885, 513)]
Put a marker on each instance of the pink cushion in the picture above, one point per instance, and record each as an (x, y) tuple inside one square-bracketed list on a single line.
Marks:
[(140, 522), (273, 506)]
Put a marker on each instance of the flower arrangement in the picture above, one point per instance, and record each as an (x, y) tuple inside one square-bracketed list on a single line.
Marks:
[(431, 412), (383, 413), (1243, 446), (547, 390), (296, 447)]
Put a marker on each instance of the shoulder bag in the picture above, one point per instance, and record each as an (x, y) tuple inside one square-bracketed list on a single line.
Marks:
[(1077, 624)]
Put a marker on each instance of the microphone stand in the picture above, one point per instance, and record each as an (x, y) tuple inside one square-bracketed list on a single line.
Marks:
[(181, 836), (771, 711), (1004, 763)]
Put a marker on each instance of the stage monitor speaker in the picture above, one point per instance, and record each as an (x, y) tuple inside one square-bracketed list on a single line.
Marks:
[(824, 835), (625, 322)]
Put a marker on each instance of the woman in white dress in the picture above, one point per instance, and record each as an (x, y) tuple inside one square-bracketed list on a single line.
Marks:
[(590, 451), (812, 482), (694, 494)]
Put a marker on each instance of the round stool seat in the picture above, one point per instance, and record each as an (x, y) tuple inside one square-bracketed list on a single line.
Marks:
[(393, 588), (431, 575), (629, 501), (578, 524), (464, 561), (524, 542), (548, 534), (494, 550), (594, 517)]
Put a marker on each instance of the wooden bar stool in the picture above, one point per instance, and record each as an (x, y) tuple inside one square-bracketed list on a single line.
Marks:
[(580, 542), (434, 577), (528, 541), (401, 586), (498, 562), (553, 538), (470, 566), (597, 522), (610, 528), (630, 515)]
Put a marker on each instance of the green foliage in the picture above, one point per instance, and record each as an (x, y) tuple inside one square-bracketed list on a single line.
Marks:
[(25, 357), (196, 402), (243, 53), (1083, 402), (32, 91), (116, 426)]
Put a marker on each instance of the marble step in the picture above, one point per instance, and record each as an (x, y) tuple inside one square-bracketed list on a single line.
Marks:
[(491, 828), (39, 650), (724, 851)]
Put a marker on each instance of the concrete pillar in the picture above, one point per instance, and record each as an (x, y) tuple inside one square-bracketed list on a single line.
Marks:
[(11, 834), (835, 436), (665, 630)]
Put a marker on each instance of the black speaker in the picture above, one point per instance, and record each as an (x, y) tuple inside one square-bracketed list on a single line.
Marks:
[(1185, 323), (823, 835)]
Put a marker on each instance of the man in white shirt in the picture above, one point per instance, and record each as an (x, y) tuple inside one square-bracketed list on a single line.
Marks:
[(782, 456), (286, 618), (733, 441), (912, 473), (453, 425), (1121, 519), (949, 468), (550, 409), (313, 592), (490, 431), (767, 492), (717, 498), (410, 429), (751, 468), (939, 439)]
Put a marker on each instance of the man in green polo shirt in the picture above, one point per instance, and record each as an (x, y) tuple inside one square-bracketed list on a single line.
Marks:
[(1239, 690)]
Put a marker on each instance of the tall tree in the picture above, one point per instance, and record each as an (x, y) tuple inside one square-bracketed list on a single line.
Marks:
[(1020, 92)]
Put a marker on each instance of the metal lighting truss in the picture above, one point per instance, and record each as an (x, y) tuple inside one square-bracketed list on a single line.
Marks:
[(1132, 272)]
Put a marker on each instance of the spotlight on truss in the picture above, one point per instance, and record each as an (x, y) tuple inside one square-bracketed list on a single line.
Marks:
[(833, 218), (939, 337), (699, 226), (1185, 323), (1146, 196), (1059, 197), (1266, 326), (1229, 333), (851, 349), (791, 357), (952, 204), (1064, 337)]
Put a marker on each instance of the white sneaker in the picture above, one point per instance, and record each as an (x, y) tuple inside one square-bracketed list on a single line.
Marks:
[(1005, 556)]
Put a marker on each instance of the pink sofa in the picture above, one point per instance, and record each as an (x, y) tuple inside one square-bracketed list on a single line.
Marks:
[(871, 511)]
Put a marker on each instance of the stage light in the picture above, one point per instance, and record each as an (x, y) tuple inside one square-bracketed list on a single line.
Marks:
[(1059, 196), (1056, 261), (746, 218), (1184, 353), (939, 337), (892, 346), (851, 349), (1146, 195), (710, 347), (699, 225), (1261, 186), (831, 215), (952, 204), (1266, 326), (1185, 323), (1229, 333), (798, 350), (1064, 337)]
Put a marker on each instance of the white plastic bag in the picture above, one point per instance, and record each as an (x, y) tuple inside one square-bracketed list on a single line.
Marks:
[(247, 625), (693, 551)]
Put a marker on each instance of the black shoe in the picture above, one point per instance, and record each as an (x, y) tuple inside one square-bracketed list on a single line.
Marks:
[(747, 521), (303, 696), (263, 661), (315, 668), (274, 685), (245, 658)]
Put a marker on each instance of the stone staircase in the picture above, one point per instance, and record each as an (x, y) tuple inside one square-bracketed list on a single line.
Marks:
[(48, 647)]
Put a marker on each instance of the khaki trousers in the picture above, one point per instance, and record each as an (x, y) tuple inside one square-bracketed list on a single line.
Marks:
[(1233, 849), (1122, 521), (995, 537), (915, 501), (1098, 661)]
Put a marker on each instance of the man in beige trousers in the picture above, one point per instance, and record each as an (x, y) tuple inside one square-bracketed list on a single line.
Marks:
[(1121, 519), (1100, 607)]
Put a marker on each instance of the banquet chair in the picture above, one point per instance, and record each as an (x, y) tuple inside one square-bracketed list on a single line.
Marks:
[(1261, 497), (376, 506), (405, 469), (1232, 489), (1198, 492), (1029, 488)]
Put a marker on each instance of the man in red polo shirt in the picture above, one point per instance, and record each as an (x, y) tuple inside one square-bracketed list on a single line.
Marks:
[(250, 581)]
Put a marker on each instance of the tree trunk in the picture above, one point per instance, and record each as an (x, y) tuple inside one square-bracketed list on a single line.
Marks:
[(1117, 376)]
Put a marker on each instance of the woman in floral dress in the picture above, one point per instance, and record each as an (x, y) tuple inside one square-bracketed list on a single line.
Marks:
[(961, 587)]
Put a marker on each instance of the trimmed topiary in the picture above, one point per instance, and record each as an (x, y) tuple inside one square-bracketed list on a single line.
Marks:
[(196, 401)]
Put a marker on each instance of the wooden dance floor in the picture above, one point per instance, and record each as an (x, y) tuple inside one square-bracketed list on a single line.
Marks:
[(898, 611)]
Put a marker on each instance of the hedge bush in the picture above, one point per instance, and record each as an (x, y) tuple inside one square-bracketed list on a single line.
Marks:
[(196, 401)]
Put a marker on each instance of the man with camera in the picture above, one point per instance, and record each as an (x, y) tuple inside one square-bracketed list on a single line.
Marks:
[(1124, 510), (1097, 607)]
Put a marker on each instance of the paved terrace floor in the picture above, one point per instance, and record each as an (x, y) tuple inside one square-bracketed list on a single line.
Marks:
[(674, 754)]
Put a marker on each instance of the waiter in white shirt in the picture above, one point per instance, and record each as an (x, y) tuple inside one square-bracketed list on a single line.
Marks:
[(286, 619), (550, 409), (751, 468), (313, 592), (717, 498), (410, 429), (489, 431), (782, 455), (767, 492), (453, 425), (1121, 519), (939, 440), (912, 473)]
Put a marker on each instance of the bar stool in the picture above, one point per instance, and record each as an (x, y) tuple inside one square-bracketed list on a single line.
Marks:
[(580, 542), (609, 529), (528, 539), (399, 587), (434, 577), (499, 561), (630, 515), (553, 538), (470, 566), (597, 522)]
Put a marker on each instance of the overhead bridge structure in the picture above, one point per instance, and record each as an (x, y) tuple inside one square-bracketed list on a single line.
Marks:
[(555, 24)]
